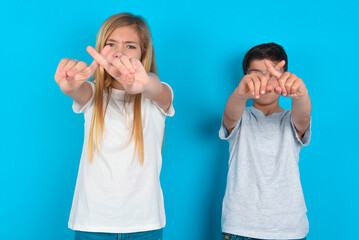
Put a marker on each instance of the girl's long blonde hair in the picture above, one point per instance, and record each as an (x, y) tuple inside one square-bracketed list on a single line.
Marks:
[(103, 82)]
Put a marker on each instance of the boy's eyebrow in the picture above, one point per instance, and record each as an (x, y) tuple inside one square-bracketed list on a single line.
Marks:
[(256, 70)]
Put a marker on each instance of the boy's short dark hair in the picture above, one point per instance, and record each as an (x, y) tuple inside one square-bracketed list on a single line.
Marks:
[(271, 51)]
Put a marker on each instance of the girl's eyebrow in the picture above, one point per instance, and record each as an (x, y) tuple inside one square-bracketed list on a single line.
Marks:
[(112, 40), (131, 42)]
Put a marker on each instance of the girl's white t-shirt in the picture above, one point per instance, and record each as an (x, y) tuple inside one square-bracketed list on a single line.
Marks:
[(115, 193)]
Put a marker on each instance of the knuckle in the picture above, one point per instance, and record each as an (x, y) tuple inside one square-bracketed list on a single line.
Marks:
[(82, 64), (71, 63), (64, 60), (246, 78)]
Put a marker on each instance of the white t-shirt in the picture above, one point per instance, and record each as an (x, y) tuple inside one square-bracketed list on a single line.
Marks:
[(115, 193)]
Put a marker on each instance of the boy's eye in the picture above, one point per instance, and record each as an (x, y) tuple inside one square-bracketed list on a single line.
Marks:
[(110, 44), (130, 47), (257, 72)]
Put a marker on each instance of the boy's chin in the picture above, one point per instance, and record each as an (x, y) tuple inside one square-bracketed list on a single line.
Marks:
[(267, 98)]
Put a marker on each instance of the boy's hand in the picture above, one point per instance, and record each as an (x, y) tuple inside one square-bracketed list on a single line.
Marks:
[(289, 84), (254, 84), (128, 71)]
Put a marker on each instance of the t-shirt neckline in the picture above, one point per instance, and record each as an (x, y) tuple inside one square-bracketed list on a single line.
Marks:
[(259, 113)]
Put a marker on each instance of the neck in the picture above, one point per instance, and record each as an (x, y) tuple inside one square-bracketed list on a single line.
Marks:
[(268, 109)]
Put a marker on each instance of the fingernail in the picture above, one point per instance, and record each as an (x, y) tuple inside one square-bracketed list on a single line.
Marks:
[(125, 72), (263, 92)]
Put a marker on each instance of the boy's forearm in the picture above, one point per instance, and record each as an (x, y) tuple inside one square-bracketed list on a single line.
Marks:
[(301, 110), (301, 106), (233, 111)]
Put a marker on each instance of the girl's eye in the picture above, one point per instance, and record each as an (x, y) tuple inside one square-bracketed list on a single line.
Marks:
[(110, 44), (131, 47)]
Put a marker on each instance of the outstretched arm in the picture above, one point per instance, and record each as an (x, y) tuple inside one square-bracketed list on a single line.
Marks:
[(131, 74), (71, 76), (292, 86)]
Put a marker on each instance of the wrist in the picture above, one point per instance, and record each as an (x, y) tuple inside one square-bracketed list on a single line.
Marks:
[(153, 87), (239, 96), (304, 95)]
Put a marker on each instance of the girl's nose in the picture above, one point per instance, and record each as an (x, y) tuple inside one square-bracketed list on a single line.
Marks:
[(118, 53)]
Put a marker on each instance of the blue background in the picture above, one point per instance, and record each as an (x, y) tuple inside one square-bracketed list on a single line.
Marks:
[(199, 49)]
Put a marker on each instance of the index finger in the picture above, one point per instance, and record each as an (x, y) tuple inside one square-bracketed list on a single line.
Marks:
[(272, 70), (99, 58), (279, 65)]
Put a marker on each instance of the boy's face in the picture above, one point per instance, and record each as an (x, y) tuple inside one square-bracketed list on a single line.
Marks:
[(258, 67)]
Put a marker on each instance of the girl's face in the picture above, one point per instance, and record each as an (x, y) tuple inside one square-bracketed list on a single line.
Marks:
[(124, 41)]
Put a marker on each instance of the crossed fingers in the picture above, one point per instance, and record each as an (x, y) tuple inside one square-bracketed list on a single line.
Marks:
[(72, 69), (289, 83), (122, 69)]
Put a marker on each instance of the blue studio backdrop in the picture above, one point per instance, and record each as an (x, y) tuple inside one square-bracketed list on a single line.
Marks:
[(199, 49)]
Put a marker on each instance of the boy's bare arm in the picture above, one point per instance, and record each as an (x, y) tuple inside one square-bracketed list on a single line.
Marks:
[(234, 110), (292, 86), (251, 86), (301, 110)]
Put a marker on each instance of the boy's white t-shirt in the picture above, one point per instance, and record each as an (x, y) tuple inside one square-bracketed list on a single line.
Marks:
[(264, 197), (115, 193)]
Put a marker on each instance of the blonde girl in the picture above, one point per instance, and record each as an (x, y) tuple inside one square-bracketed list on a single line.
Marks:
[(118, 193)]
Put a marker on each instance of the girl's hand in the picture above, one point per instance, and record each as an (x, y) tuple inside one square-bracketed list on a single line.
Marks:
[(127, 71), (71, 73), (289, 84)]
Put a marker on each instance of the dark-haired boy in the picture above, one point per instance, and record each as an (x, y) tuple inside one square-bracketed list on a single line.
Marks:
[(264, 197)]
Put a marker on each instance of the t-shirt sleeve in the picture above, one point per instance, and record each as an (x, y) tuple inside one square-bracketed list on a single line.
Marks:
[(223, 132), (306, 136), (76, 107), (170, 111)]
